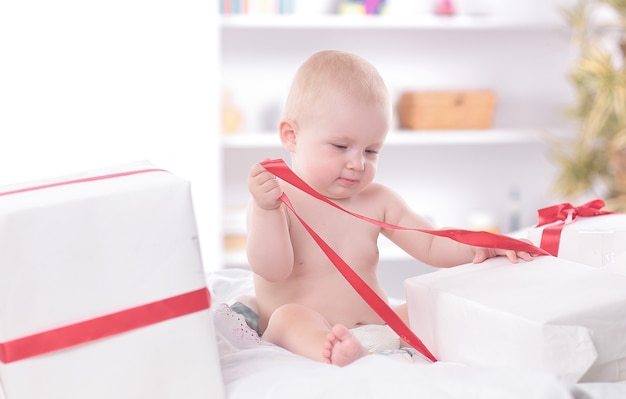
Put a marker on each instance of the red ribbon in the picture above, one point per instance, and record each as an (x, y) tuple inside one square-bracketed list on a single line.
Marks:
[(565, 213), (104, 326), (483, 239), (81, 180)]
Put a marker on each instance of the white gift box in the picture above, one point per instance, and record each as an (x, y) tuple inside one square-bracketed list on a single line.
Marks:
[(102, 243), (595, 241), (549, 314)]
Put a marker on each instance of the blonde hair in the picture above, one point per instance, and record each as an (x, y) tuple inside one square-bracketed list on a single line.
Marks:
[(334, 72)]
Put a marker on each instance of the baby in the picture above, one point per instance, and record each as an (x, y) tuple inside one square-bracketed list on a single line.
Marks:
[(335, 121)]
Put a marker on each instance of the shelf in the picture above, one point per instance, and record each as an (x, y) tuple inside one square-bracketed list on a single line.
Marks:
[(423, 22), (236, 259), (250, 140), (406, 137)]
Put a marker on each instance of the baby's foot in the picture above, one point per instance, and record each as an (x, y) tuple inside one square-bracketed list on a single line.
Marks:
[(341, 347)]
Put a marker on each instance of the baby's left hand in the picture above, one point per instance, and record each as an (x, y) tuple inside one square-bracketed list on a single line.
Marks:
[(485, 253)]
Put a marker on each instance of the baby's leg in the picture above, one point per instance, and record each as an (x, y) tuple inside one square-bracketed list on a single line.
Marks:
[(341, 347), (300, 330)]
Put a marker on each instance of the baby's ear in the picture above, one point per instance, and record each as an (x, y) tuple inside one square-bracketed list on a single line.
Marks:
[(287, 129)]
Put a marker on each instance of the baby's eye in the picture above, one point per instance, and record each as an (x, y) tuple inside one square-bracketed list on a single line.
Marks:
[(371, 152), (340, 146)]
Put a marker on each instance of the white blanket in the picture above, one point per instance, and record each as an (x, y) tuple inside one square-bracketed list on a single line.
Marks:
[(256, 369)]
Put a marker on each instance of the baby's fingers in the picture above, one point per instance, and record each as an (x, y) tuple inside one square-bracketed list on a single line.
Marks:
[(525, 256), (511, 255), (257, 169), (514, 257)]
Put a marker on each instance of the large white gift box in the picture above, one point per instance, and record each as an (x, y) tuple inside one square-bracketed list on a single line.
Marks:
[(592, 240), (102, 289), (548, 314)]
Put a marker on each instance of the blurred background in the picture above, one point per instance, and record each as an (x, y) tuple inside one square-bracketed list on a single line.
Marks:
[(475, 85), (481, 91)]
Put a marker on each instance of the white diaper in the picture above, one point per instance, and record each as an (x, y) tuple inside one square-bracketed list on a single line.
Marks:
[(376, 337)]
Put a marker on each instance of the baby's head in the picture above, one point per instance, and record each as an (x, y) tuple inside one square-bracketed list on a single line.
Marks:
[(328, 74), (336, 120)]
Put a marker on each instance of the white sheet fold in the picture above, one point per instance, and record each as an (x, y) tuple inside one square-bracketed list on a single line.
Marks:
[(265, 371)]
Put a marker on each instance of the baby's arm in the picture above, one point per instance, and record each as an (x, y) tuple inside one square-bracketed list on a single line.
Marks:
[(269, 249), (434, 250)]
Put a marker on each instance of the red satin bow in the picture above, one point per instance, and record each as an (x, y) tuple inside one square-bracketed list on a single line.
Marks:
[(566, 213)]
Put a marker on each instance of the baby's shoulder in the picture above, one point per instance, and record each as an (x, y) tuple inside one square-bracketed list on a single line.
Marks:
[(380, 191)]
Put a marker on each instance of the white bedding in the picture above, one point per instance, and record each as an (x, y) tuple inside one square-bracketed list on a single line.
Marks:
[(256, 369)]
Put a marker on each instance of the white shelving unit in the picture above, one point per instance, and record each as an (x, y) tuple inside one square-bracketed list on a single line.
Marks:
[(418, 22), (446, 175), (406, 137)]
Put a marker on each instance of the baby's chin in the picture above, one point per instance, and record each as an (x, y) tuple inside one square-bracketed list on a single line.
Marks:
[(339, 194)]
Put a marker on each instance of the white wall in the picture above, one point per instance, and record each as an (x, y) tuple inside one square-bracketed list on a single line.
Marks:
[(87, 84)]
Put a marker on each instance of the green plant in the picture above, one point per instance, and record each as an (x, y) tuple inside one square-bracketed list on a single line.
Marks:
[(595, 160)]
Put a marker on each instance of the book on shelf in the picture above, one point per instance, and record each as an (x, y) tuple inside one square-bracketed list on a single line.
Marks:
[(272, 7)]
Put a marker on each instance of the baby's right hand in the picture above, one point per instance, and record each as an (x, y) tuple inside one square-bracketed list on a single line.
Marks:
[(264, 187)]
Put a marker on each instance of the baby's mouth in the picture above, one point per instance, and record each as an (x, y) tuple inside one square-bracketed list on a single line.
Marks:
[(346, 182)]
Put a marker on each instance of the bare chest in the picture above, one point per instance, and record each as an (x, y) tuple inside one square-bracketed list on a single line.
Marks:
[(353, 239)]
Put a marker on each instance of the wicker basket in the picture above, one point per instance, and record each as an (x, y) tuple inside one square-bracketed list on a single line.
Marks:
[(434, 110)]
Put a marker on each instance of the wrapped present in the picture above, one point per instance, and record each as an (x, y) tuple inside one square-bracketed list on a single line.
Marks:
[(102, 289), (549, 314), (584, 234)]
